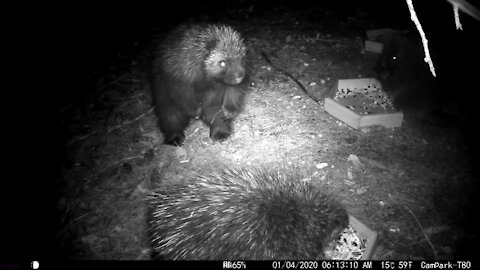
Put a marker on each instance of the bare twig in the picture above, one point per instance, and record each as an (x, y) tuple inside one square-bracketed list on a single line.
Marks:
[(195, 131), (70, 223), (114, 164), (423, 231), (286, 73), (414, 18), (328, 40), (80, 217), (81, 138), (105, 169), (458, 24), (129, 121), (110, 129), (112, 82), (466, 7)]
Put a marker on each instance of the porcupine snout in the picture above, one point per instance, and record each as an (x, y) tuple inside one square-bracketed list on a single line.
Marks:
[(235, 73)]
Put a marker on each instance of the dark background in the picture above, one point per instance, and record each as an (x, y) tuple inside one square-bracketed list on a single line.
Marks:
[(89, 38)]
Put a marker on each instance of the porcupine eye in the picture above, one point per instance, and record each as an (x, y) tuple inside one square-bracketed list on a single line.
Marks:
[(394, 59), (393, 62), (222, 64)]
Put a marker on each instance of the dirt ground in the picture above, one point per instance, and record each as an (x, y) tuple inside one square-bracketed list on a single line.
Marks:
[(412, 187)]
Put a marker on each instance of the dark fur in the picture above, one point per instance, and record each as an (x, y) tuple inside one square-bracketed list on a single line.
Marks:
[(244, 214), (404, 74), (217, 97), (406, 77)]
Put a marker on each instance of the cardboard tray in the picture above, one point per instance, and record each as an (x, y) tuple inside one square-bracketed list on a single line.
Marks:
[(354, 119), (373, 43), (365, 234)]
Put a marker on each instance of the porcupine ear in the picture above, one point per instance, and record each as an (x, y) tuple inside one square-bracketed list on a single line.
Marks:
[(211, 45)]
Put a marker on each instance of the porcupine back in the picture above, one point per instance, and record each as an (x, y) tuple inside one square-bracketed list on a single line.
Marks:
[(244, 214)]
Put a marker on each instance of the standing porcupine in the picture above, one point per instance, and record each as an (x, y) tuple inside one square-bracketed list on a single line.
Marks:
[(198, 70), (244, 214)]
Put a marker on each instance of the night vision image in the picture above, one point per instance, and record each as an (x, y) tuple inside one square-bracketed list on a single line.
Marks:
[(261, 130)]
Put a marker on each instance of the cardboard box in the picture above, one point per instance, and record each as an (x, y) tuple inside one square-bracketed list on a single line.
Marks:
[(365, 234), (374, 41), (373, 46), (367, 115)]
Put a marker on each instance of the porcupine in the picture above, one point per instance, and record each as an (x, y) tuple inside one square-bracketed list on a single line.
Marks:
[(246, 214), (198, 70), (407, 79), (402, 71)]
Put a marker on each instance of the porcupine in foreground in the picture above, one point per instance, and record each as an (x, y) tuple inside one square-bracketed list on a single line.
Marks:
[(198, 70), (247, 214)]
